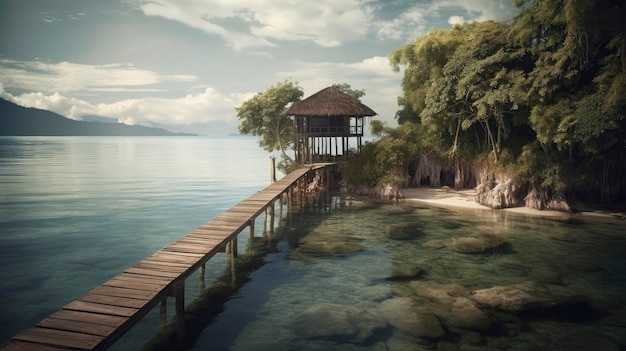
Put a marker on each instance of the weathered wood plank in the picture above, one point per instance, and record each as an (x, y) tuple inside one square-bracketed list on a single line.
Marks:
[(163, 266), (59, 338), (160, 264), (88, 317), (195, 256), (199, 240), (150, 273), (123, 292), (76, 326), (188, 249), (172, 258), (115, 300), (134, 285), (18, 345), (99, 308)]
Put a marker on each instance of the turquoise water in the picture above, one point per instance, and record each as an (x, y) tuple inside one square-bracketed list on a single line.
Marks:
[(337, 275)]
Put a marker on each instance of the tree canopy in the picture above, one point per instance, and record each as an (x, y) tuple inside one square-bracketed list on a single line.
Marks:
[(260, 115), (543, 94)]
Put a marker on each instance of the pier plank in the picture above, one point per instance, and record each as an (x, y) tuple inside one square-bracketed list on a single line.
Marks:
[(134, 285), (18, 345), (114, 300), (85, 306), (88, 317), (123, 292), (77, 326), (59, 338)]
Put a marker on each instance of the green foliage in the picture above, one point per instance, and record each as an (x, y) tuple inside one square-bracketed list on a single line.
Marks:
[(260, 115), (385, 161), (545, 92), (347, 89)]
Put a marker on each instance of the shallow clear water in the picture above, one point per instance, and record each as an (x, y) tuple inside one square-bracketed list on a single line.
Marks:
[(76, 211), (584, 261)]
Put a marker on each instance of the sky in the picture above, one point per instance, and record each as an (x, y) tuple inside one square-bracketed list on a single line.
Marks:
[(189, 62)]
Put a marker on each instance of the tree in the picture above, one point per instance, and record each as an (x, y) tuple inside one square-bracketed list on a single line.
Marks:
[(260, 116), (347, 89)]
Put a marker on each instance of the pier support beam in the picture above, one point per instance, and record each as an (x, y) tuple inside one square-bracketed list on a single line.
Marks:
[(201, 278), (179, 292), (163, 313)]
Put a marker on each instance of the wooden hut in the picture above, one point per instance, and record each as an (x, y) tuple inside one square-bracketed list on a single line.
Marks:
[(325, 122)]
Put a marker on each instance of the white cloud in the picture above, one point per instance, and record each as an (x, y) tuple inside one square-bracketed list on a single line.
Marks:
[(204, 106), (66, 77), (245, 24), (398, 28), (453, 20), (474, 10), (412, 22)]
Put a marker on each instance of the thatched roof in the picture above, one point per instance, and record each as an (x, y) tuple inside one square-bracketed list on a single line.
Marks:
[(329, 102)]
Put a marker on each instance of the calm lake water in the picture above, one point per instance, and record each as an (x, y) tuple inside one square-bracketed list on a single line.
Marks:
[(338, 274)]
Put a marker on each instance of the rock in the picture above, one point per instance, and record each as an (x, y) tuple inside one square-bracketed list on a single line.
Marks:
[(376, 293), (406, 231), (403, 314), (329, 248), (441, 293), (463, 313), (406, 272), (526, 296), (435, 244), (337, 322), (475, 243)]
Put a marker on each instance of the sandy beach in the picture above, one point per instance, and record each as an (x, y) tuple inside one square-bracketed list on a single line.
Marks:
[(465, 199)]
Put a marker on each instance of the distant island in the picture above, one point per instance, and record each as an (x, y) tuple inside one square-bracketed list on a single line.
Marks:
[(16, 120)]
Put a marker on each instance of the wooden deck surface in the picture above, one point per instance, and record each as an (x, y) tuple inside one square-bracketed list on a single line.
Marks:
[(98, 319)]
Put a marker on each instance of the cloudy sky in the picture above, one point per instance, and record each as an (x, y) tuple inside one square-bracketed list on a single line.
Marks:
[(177, 62)]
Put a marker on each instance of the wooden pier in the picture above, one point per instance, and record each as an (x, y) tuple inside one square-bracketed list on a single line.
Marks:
[(98, 319)]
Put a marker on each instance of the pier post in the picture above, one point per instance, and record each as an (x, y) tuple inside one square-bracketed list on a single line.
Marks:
[(233, 247), (179, 292), (280, 208), (201, 278), (271, 207), (272, 169), (251, 237), (163, 313)]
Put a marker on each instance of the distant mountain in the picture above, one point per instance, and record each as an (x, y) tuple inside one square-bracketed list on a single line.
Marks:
[(215, 128), (18, 120), (95, 118)]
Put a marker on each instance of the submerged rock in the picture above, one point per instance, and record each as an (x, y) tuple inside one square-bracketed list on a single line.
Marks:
[(435, 244), (328, 241), (476, 243), (526, 296), (405, 231), (376, 293), (329, 248), (337, 322), (441, 293), (452, 305), (406, 272), (464, 313), (403, 314)]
